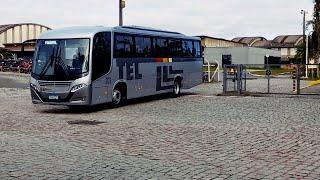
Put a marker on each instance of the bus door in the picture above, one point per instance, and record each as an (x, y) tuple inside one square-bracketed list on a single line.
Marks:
[(101, 63)]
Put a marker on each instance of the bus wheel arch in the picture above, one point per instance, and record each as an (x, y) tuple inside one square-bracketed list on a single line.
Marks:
[(119, 93)]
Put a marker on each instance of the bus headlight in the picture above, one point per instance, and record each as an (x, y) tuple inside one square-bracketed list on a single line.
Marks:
[(77, 87), (35, 87)]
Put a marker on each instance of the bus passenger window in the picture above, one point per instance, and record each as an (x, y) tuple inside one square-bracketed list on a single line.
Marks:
[(123, 46), (175, 48), (160, 48), (197, 49), (143, 46), (187, 49)]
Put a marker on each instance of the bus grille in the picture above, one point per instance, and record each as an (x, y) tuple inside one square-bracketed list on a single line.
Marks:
[(55, 87)]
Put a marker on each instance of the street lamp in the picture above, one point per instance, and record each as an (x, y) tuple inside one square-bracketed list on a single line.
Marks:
[(122, 5)]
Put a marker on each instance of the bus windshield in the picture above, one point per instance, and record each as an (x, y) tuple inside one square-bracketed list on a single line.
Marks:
[(63, 59)]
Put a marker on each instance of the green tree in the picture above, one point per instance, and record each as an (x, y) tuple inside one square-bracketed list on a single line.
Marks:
[(301, 49), (4, 54), (316, 26)]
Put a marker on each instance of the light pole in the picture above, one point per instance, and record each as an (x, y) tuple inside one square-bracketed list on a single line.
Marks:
[(122, 5)]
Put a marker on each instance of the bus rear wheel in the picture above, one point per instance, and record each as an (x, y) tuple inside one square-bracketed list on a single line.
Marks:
[(177, 88)]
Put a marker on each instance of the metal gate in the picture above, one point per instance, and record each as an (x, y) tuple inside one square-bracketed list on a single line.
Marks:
[(291, 79), (234, 79)]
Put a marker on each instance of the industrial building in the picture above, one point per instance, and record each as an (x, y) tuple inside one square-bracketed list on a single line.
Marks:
[(222, 51), (13, 35), (286, 44)]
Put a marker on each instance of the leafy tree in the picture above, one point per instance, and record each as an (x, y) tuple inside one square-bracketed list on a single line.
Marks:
[(4, 54), (316, 26)]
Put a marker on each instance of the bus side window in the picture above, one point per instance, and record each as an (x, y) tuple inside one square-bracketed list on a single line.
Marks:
[(175, 48), (101, 57), (123, 46), (160, 48), (187, 48), (197, 49), (143, 46)]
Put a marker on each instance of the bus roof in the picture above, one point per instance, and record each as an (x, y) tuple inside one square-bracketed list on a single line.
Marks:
[(90, 31)]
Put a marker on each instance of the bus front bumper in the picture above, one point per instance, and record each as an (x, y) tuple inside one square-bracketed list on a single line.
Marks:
[(78, 98)]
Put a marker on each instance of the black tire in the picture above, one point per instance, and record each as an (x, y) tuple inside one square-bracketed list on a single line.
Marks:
[(177, 88), (117, 97)]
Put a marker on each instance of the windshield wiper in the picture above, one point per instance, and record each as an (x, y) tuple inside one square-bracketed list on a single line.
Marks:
[(48, 64), (61, 63)]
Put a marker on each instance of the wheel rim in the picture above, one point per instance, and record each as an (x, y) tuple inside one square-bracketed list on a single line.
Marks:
[(177, 88), (116, 97)]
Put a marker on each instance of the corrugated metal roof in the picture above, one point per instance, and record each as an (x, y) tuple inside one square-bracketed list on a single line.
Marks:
[(288, 39), (284, 41), (249, 40)]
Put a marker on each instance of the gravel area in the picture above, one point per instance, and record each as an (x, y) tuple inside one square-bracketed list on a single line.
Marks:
[(196, 136)]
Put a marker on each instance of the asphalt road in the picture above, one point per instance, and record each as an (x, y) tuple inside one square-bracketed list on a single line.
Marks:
[(11, 80)]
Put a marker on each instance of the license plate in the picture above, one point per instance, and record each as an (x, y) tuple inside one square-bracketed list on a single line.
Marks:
[(53, 97)]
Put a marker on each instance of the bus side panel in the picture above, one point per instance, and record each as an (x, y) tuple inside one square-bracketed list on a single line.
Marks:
[(193, 74), (101, 90), (145, 77)]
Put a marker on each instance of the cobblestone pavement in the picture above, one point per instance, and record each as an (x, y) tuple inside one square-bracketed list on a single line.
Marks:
[(196, 136)]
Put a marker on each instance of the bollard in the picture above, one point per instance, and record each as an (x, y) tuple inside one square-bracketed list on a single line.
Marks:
[(294, 76)]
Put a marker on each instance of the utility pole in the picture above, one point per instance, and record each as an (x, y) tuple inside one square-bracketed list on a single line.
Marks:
[(122, 5), (307, 56), (303, 12)]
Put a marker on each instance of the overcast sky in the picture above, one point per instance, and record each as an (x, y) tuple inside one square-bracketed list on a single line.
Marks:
[(218, 18)]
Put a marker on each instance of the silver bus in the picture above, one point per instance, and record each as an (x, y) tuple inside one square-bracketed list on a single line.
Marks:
[(86, 66)]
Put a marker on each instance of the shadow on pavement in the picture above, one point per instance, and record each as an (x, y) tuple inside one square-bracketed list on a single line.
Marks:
[(107, 106)]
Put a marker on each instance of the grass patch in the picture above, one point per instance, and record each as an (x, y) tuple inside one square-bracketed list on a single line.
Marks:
[(274, 71)]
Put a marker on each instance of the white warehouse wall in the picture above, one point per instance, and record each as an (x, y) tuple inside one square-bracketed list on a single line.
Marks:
[(240, 55)]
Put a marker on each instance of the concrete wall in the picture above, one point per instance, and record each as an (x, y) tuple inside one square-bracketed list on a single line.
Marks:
[(240, 55)]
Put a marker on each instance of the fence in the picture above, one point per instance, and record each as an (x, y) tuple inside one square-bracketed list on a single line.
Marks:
[(211, 71), (272, 79)]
